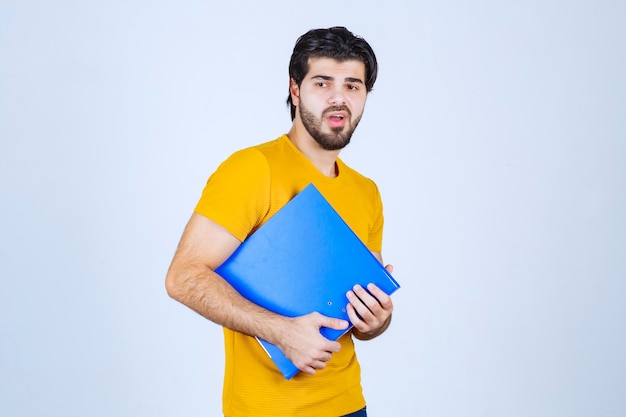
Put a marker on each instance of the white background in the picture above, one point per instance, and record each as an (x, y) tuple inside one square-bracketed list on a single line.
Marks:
[(496, 132)]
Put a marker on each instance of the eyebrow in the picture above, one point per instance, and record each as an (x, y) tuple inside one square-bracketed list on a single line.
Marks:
[(329, 78)]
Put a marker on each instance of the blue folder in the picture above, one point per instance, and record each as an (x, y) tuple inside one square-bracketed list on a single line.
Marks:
[(303, 259)]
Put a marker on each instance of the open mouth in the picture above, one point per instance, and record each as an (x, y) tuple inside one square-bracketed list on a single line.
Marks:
[(336, 119)]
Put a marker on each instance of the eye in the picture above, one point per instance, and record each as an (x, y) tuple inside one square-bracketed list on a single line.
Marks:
[(321, 84), (352, 87)]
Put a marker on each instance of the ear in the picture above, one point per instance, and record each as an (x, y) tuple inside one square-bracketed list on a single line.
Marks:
[(294, 90)]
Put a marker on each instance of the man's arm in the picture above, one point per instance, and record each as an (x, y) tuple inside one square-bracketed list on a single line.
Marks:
[(191, 280), (370, 311)]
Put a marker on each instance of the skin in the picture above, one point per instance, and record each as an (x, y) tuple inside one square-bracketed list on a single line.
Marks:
[(205, 244)]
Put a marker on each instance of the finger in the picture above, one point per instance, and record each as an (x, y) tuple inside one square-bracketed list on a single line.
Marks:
[(318, 365), (389, 268), (384, 300), (352, 314), (358, 306), (381, 296), (313, 367), (333, 323), (325, 356), (367, 299), (356, 320), (333, 347), (309, 370)]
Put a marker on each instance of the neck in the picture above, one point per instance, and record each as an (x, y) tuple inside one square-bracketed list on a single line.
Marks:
[(325, 161)]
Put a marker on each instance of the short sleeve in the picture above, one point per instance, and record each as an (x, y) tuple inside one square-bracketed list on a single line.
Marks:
[(236, 195), (375, 237)]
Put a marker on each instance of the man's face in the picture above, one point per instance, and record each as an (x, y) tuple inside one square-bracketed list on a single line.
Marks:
[(330, 100)]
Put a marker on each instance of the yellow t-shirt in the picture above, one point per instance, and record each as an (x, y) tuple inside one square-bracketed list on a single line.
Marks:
[(244, 192)]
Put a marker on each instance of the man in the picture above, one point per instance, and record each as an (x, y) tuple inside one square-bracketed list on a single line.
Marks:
[(331, 73)]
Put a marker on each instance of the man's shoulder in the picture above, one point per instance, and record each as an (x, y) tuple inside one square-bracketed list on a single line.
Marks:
[(258, 150), (268, 145)]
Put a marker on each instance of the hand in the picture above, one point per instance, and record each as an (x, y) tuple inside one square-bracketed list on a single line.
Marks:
[(304, 345), (369, 311)]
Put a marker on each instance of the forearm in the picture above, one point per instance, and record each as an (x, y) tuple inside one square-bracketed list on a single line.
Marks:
[(299, 338), (192, 281), (205, 292)]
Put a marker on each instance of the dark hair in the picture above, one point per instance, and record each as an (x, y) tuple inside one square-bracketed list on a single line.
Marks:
[(337, 43)]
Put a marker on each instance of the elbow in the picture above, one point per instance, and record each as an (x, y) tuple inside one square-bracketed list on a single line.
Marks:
[(172, 285)]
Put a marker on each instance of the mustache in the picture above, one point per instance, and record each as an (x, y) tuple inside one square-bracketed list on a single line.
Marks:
[(332, 109)]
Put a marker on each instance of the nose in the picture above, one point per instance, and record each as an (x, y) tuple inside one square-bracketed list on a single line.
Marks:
[(337, 97)]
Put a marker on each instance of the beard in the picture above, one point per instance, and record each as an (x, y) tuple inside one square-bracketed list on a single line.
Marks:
[(338, 137)]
